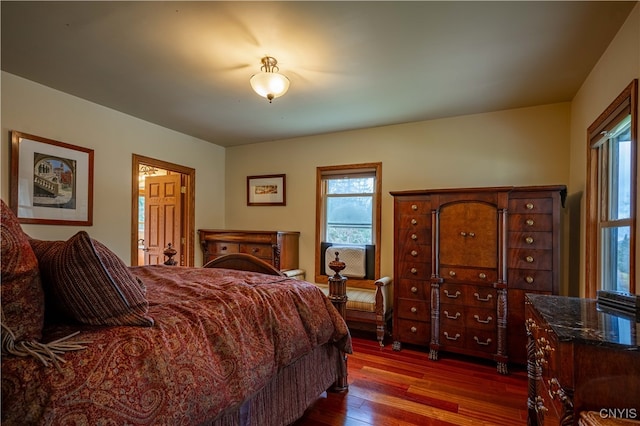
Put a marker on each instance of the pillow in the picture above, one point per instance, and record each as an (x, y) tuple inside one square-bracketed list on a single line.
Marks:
[(21, 289), (90, 283)]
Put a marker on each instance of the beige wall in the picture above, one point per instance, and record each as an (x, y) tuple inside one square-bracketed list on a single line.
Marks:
[(32, 108), (617, 67), (528, 146)]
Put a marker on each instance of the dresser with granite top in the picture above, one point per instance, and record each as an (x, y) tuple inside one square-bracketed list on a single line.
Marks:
[(582, 357)]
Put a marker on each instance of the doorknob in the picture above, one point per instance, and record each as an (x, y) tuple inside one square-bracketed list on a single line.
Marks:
[(141, 243)]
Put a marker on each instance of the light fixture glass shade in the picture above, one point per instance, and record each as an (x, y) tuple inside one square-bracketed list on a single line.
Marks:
[(269, 85)]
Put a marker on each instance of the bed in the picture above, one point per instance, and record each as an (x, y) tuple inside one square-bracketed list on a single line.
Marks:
[(210, 346)]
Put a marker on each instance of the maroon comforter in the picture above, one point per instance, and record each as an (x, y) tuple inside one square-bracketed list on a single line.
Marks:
[(219, 336)]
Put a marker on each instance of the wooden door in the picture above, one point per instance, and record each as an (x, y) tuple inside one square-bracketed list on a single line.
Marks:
[(162, 216), (469, 234)]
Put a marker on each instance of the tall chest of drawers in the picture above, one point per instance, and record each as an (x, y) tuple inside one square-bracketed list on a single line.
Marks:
[(278, 248), (463, 260)]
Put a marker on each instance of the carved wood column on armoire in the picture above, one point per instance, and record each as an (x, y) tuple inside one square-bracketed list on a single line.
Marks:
[(464, 259)]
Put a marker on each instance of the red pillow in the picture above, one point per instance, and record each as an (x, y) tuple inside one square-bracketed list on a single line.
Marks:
[(90, 283), (22, 294)]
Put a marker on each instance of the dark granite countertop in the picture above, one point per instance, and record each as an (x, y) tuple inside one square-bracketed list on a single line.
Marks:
[(573, 318)]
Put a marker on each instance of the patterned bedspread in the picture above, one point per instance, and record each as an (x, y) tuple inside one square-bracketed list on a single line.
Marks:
[(219, 336)]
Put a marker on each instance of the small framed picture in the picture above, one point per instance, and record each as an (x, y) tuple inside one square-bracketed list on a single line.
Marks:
[(51, 181), (266, 190)]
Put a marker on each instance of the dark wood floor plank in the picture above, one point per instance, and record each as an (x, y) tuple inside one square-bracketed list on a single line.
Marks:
[(399, 388)]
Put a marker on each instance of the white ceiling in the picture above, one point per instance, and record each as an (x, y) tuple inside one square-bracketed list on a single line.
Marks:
[(186, 65)]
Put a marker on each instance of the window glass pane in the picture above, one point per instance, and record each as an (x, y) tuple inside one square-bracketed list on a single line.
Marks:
[(354, 185), (620, 190), (141, 221), (615, 258), (349, 219)]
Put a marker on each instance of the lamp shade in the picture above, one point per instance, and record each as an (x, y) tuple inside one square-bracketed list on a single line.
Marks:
[(269, 85)]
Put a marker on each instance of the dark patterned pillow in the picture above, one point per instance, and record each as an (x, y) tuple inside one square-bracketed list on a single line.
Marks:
[(90, 283), (22, 295)]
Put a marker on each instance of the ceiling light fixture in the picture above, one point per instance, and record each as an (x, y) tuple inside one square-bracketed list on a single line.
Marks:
[(269, 83)]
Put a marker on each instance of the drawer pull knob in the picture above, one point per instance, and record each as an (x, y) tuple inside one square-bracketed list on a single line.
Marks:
[(454, 296), (472, 234), (414, 253), (482, 276), (530, 222), (480, 299), (485, 343), (414, 330), (463, 234), (529, 279), (414, 222), (255, 250), (414, 207), (414, 289), (529, 259), (414, 237), (223, 248), (414, 310), (487, 321), (529, 240), (452, 273), (414, 271), (456, 337), (529, 206), (453, 317)]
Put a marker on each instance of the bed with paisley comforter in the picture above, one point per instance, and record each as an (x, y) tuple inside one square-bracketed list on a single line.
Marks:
[(174, 346)]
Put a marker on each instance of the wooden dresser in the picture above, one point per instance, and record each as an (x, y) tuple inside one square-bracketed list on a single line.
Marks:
[(463, 260), (278, 248), (582, 357)]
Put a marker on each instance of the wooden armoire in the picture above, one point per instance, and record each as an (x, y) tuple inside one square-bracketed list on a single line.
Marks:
[(464, 259)]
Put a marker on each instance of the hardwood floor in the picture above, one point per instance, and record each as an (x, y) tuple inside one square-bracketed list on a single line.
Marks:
[(388, 387)]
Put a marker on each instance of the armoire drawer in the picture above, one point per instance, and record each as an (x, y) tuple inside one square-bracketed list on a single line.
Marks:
[(530, 279), (531, 205), (471, 275), (410, 331), (530, 259), (413, 207), (413, 289), (530, 222), (413, 309), (407, 268), (531, 239), (481, 340)]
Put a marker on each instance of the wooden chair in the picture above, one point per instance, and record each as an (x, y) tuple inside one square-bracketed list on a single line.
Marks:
[(369, 303)]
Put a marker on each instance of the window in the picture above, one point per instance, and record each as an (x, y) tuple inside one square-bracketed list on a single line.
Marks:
[(348, 209), (611, 196)]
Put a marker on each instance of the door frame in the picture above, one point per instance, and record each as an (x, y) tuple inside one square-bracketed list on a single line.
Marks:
[(187, 227)]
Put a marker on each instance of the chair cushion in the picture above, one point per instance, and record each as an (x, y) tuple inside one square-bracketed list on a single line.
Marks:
[(22, 294), (358, 299)]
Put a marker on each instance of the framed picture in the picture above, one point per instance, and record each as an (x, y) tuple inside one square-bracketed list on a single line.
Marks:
[(266, 190), (51, 181)]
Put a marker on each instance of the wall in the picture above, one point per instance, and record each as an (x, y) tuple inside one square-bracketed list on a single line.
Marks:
[(32, 108), (617, 67), (528, 146)]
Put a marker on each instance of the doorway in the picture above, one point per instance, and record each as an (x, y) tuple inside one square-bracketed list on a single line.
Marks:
[(162, 211)]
